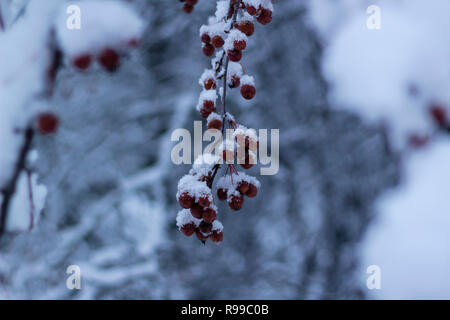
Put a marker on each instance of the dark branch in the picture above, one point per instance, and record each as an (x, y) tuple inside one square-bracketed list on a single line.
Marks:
[(10, 188)]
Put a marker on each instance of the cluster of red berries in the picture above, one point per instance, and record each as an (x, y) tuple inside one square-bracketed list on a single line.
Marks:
[(244, 147), (227, 32), (233, 189), (189, 5), (195, 195), (108, 58)]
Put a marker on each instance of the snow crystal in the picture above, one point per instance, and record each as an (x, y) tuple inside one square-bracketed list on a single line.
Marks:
[(217, 226), (185, 217), (234, 69), (193, 187), (214, 116), (234, 35), (207, 74), (248, 80)]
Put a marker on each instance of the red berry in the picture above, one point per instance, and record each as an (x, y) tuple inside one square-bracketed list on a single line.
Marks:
[(187, 8), (133, 43), (246, 27), (207, 109), (215, 124), (239, 45), (209, 215), (217, 42), (192, 2), (208, 50), (206, 38), (439, 115), (417, 141), (222, 194), (82, 61), (210, 84), (188, 229), (252, 191), (109, 59), (236, 202), (48, 123), (216, 236), (197, 211), (234, 55), (265, 16), (205, 227), (243, 187), (248, 91), (200, 235), (185, 200), (235, 82), (251, 10), (204, 201), (246, 165)]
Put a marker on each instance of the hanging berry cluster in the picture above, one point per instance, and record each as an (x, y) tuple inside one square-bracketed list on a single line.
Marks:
[(225, 37)]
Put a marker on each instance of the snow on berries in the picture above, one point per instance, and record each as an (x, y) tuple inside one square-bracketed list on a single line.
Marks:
[(248, 89), (214, 121), (223, 39), (207, 102)]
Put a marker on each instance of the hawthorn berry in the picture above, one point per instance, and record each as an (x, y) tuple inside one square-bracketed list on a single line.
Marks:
[(209, 215), (216, 236), (235, 82), (236, 202), (215, 124), (204, 201), (210, 84), (82, 62), (208, 50), (109, 59), (200, 235), (243, 187), (217, 41), (234, 55), (252, 191), (248, 91), (439, 115), (206, 38), (240, 45), (187, 8), (246, 27), (188, 229), (205, 227), (48, 123), (251, 10), (222, 194), (265, 16), (207, 109), (197, 211), (185, 200)]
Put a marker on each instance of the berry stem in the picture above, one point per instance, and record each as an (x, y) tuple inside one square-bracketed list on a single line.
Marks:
[(227, 61)]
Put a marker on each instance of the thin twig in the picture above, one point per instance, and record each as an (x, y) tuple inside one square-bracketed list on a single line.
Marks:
[(10, 189)]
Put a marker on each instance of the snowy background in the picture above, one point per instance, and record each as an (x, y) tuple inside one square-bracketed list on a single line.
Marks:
[(364, 148)]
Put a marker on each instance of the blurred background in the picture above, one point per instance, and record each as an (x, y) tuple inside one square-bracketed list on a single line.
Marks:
[(111, 204)]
